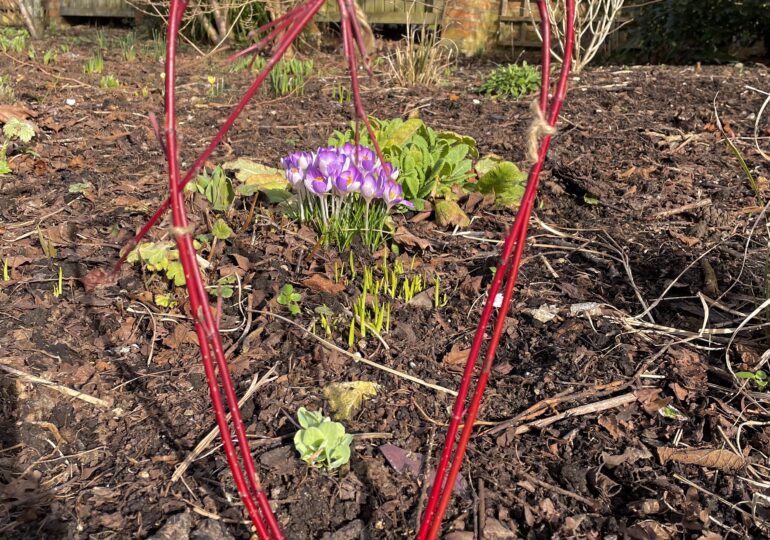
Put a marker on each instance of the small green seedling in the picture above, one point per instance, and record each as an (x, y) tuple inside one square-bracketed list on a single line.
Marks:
[(6, 274), (217, 188), (109, 81), (165, 300), (128, 47), (101, 39), (759, 377), (287, 297), (15, 130), (216, 86), (95, 64), (58, 287), (321, 443), (49, 57)]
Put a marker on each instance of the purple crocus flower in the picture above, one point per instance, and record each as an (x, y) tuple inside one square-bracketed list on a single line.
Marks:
[(390, 172), (393, 194), (349, 181), (370, 187), (295, 165), (367, 159), (316, 182), (330, 161)]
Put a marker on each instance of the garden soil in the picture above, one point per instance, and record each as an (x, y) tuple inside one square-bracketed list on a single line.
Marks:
[(611, 412)]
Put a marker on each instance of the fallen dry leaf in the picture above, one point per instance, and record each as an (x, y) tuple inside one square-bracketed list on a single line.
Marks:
[(723, 460), (345, 398), (404, 460), (15, 111), (317, 282), (686, 240), (403, 236), (457, 355)]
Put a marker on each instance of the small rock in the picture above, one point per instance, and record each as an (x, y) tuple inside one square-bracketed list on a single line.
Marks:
[(280, 460), (177, 527), (352, 531), (459, 535), (210, 529), (494, 530)]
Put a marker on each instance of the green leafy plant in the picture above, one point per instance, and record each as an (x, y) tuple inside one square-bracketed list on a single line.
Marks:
[(321, 443), (759, 377), (161, 257), (95, 64), (513, 80), (13, 40), (217, 188), (128, 47), (101, 39), (287, 297), (15, 133), (431, 163), (49, 57), (109, 81)]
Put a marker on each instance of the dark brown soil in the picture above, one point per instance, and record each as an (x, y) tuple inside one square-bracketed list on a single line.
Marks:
[(641, 140)]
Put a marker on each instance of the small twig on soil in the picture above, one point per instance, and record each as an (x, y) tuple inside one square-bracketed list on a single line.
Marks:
[(255, 385), (682, 209), (590, 503), (358, 358), (611, 403), (550, 403), (59, 388)]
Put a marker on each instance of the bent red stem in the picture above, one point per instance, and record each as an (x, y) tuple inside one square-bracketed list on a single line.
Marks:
[(292, 33), (442, 489)]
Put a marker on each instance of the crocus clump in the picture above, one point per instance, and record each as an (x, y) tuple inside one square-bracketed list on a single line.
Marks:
[(344, 191)]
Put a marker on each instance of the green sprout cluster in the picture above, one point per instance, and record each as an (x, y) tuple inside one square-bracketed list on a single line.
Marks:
[(381, 285), (108, 81), (95, 64), (288, 76)]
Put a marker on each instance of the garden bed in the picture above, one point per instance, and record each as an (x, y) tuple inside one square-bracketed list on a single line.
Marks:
[(637, 186)]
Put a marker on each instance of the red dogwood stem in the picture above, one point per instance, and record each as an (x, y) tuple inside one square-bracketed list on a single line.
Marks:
[(205, 325), (442, 488)]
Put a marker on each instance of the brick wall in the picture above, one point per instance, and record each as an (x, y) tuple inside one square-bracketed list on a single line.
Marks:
[(471, 24)]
